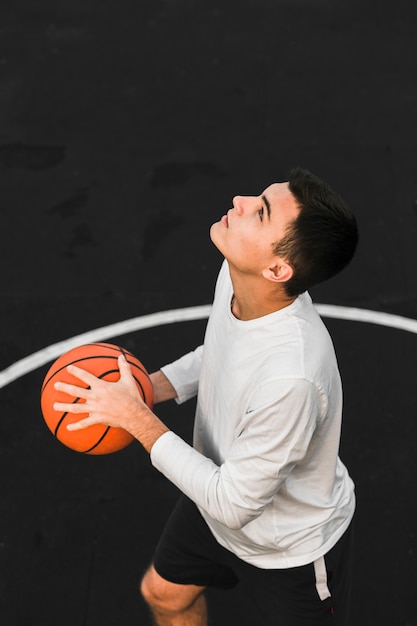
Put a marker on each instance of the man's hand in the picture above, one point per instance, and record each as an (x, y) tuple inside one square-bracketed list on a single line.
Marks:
[(117, 404)]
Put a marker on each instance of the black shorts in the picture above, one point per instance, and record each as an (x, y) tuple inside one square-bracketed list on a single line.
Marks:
[(188, 553)]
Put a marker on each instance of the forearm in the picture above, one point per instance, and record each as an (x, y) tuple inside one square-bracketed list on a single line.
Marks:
[(163, 390), (184, 374), (146, 427)]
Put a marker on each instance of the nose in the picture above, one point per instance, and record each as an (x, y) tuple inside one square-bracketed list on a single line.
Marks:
[(238, 205)]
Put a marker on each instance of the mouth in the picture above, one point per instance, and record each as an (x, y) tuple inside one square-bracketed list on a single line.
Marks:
[(225, 221)]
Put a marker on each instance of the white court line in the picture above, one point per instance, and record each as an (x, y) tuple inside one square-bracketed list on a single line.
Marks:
[(365, 315), (52, 352)]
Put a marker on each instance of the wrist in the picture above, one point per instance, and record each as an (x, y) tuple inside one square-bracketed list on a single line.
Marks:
[(147, 428), (162, 388)]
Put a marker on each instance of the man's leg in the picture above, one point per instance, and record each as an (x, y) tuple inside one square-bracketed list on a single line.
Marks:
[(172, 604)]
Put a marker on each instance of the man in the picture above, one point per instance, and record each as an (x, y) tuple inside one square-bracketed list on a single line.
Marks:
[(267, 501)]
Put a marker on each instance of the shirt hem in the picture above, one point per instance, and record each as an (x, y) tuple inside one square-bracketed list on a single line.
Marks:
[(273, 560)]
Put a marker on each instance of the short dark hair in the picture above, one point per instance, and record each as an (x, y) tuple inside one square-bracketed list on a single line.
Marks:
[(322, 239)]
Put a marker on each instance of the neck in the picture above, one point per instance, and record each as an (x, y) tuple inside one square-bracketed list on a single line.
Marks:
[(254, 297)]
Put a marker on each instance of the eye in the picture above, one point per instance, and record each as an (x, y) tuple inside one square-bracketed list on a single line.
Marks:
[(261, 214)]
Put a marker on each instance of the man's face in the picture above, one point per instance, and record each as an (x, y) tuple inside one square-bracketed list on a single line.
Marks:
[(246, 236)]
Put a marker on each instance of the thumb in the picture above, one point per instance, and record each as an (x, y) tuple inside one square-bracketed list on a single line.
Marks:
[(124, 367)]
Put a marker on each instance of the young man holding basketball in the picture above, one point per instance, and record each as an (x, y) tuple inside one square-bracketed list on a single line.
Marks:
[(267, 501)]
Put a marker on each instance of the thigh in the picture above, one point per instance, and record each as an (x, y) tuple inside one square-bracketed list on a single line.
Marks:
[(289, 597), (188, 554)]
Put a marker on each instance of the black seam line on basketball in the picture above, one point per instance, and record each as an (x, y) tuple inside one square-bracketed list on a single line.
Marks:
[(86, 358), (124, 352), (98, 442), (63, 416), (111, 346), (103, 344), (141, 388), (79, 360), (136, 379)]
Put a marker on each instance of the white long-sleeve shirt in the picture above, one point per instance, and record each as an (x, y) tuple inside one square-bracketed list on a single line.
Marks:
[(264, 468)]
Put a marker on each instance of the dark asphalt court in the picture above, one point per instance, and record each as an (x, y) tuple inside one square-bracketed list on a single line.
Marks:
[(125, 130)]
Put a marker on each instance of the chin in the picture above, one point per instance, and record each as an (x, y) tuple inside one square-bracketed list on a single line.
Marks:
[(215, 237), (213, 232)]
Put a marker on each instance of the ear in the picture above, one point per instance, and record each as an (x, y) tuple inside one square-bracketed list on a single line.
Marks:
[(280, 272)]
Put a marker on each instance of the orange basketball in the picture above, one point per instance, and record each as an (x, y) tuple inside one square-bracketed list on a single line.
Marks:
[(99, 359)]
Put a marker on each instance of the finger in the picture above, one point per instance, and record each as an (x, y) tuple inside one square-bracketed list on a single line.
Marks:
[(73, 407), (83, 375), (72, 390), (124, 366), (88, 421)]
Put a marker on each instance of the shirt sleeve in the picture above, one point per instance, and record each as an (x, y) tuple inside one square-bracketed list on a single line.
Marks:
[(184, 374), (275, 434)]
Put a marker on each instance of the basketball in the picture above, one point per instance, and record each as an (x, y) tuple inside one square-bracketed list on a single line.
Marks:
[(99, 359)]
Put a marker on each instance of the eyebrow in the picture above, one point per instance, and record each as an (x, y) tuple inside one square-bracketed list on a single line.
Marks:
[(268, 206)]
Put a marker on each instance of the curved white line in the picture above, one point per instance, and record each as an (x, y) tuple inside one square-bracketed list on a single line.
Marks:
[(365, 315), (52, 352)]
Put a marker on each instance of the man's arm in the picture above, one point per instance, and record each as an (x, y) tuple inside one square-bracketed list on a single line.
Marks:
[(120, 404), (274, 435), (162, 388), (233, 493)]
